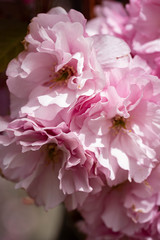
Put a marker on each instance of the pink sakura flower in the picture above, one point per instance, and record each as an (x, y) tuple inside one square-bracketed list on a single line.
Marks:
[(76, 199), (57, 65), (46, 162), (137, 24), (111, 18), (120, 125), (129, 209), (143, 28), (60, 63)]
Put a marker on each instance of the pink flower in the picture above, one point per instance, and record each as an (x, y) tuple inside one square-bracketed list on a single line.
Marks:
[(57, 66), (46, 162), (60, 64), (76, 199), (111, 18), (121, 125), (137, 24), (129, 209), (85, 118), (144, 25)]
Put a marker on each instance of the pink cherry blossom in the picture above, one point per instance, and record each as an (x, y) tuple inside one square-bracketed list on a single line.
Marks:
[(85, 118), (143, 27), (121, 125), (111, 18), (128, 210), (46, 162), (137, 24), (57, 65), (76, 199), (60, 64)]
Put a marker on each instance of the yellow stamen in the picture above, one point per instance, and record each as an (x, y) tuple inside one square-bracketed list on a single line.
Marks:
[(62, 76), (118, 122)]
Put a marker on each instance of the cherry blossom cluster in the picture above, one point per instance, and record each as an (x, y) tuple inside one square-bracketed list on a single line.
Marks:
[(84, 125)]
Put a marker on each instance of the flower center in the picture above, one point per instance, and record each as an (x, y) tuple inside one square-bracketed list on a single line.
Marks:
[(62, 76), (53, 154), (118, 122)]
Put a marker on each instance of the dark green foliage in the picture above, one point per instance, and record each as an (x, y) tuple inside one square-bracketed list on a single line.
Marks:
[(12, 33)]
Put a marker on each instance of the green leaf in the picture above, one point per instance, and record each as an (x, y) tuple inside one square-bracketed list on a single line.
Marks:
[(11, 35)]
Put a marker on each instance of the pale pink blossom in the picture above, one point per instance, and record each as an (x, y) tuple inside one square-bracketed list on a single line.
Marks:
[(128, 210), (111, 18), (60, 64), (137, 23), (85, 125), (76, 199), (46, 162), (143, 28), (121, 125)]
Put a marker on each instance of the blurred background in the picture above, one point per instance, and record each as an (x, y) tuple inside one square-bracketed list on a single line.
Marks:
[(20, 219)]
